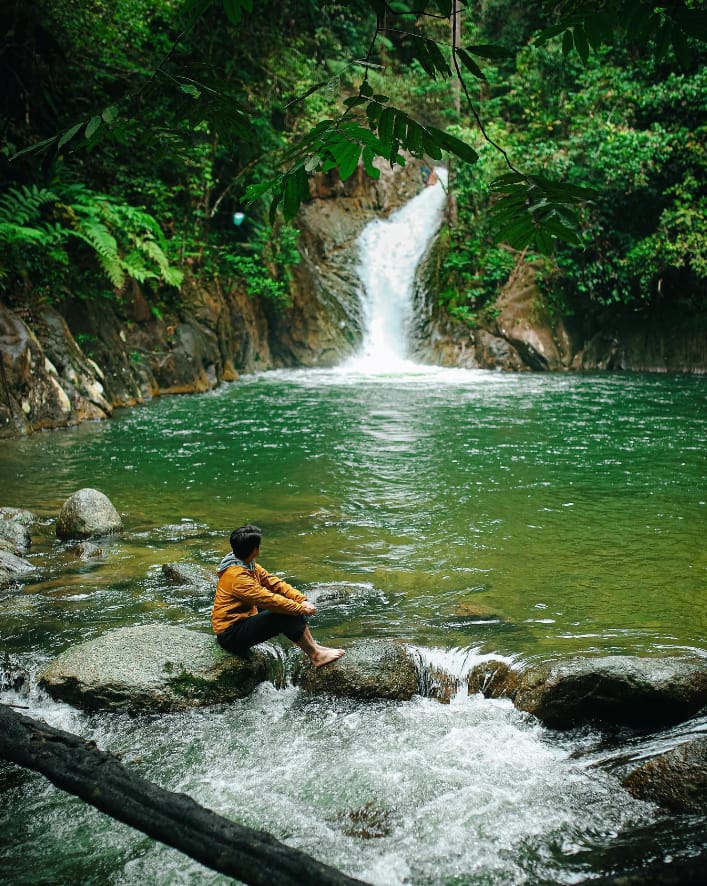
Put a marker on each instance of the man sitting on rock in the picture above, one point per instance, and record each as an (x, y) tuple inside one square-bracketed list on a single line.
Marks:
[(252, 606)]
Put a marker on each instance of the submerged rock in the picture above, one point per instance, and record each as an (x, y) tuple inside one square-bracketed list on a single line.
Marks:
[(676, 779), (88, 513), (86, 550), (370, 669), (198, 577), (152, 667), (614, 690), (12, 568)]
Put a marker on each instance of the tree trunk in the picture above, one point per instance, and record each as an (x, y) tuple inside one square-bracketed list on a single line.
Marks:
[(79, 767)]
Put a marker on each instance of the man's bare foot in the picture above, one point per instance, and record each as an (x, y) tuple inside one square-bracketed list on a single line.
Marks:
[(325, 655)]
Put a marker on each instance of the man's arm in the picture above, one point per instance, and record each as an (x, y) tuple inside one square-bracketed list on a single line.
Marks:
[(244, 587), (278, 586)]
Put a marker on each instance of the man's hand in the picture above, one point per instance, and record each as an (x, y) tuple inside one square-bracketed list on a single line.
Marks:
[(309, 608)]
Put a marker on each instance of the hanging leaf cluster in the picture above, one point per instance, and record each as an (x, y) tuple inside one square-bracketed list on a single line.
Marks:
[(370, 128), (585, 26), (532, 210)]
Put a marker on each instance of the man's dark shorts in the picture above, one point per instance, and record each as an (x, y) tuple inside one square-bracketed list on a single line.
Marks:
[(241, 635)]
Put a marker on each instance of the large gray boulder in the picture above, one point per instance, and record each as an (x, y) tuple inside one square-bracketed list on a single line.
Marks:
[(614, 690), (87, 513), (370, 669), (676, 779), (152, 667)]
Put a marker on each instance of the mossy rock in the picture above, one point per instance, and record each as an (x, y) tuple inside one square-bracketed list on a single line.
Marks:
[(152, 667), (370, 669)]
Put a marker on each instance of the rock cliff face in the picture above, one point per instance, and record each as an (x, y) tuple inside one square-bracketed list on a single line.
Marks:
[(59, 369), (523, 333)]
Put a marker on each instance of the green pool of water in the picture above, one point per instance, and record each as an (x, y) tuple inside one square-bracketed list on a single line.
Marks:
[(526, 514)]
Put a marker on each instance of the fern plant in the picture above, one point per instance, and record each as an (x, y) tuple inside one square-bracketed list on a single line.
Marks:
[(38, 227)]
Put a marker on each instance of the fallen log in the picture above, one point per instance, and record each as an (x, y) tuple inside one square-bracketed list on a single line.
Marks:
[(99, 778)]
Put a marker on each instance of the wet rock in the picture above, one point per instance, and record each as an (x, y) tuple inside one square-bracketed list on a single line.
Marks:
[(190, 574), (86, 550), (614, 690), (16, 535), (675, 872), (152, 667), (87, 513), (368, 822), (676, 779), (438, 684), (12, 568), (370, 669), (493, 679), (18, 515), (14, 677)]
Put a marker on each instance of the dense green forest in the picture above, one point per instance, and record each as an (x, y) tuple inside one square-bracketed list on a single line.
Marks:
[(134, 130)]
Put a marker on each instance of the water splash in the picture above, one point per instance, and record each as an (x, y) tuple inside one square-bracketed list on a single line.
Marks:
[(390, 250)]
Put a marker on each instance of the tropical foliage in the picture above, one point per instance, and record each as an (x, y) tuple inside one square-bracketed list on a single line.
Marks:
[(135, 130)]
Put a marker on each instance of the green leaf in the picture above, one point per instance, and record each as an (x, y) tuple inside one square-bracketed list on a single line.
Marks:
[(93, 125), (255, 191), (400, 127), (415, 139), (445, 8), (581, 44), (295, 191), (110, 114), (438, 60), (454, 145), (373, 112), (346, 153), (548, 33), (544, 242), (432, 146), (470, 64), (69, 134), (368, 158), (386, 124), (366, 89), (421, 53), (190, 89), (567, 43), (233, 10)]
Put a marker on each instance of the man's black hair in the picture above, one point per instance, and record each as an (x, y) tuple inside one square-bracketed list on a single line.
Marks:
[(245, 540)]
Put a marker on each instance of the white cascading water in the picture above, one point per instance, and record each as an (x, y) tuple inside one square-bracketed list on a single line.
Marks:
[(390, 250)]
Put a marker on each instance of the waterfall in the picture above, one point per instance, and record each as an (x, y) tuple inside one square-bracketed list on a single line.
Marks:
[(389, 252)]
